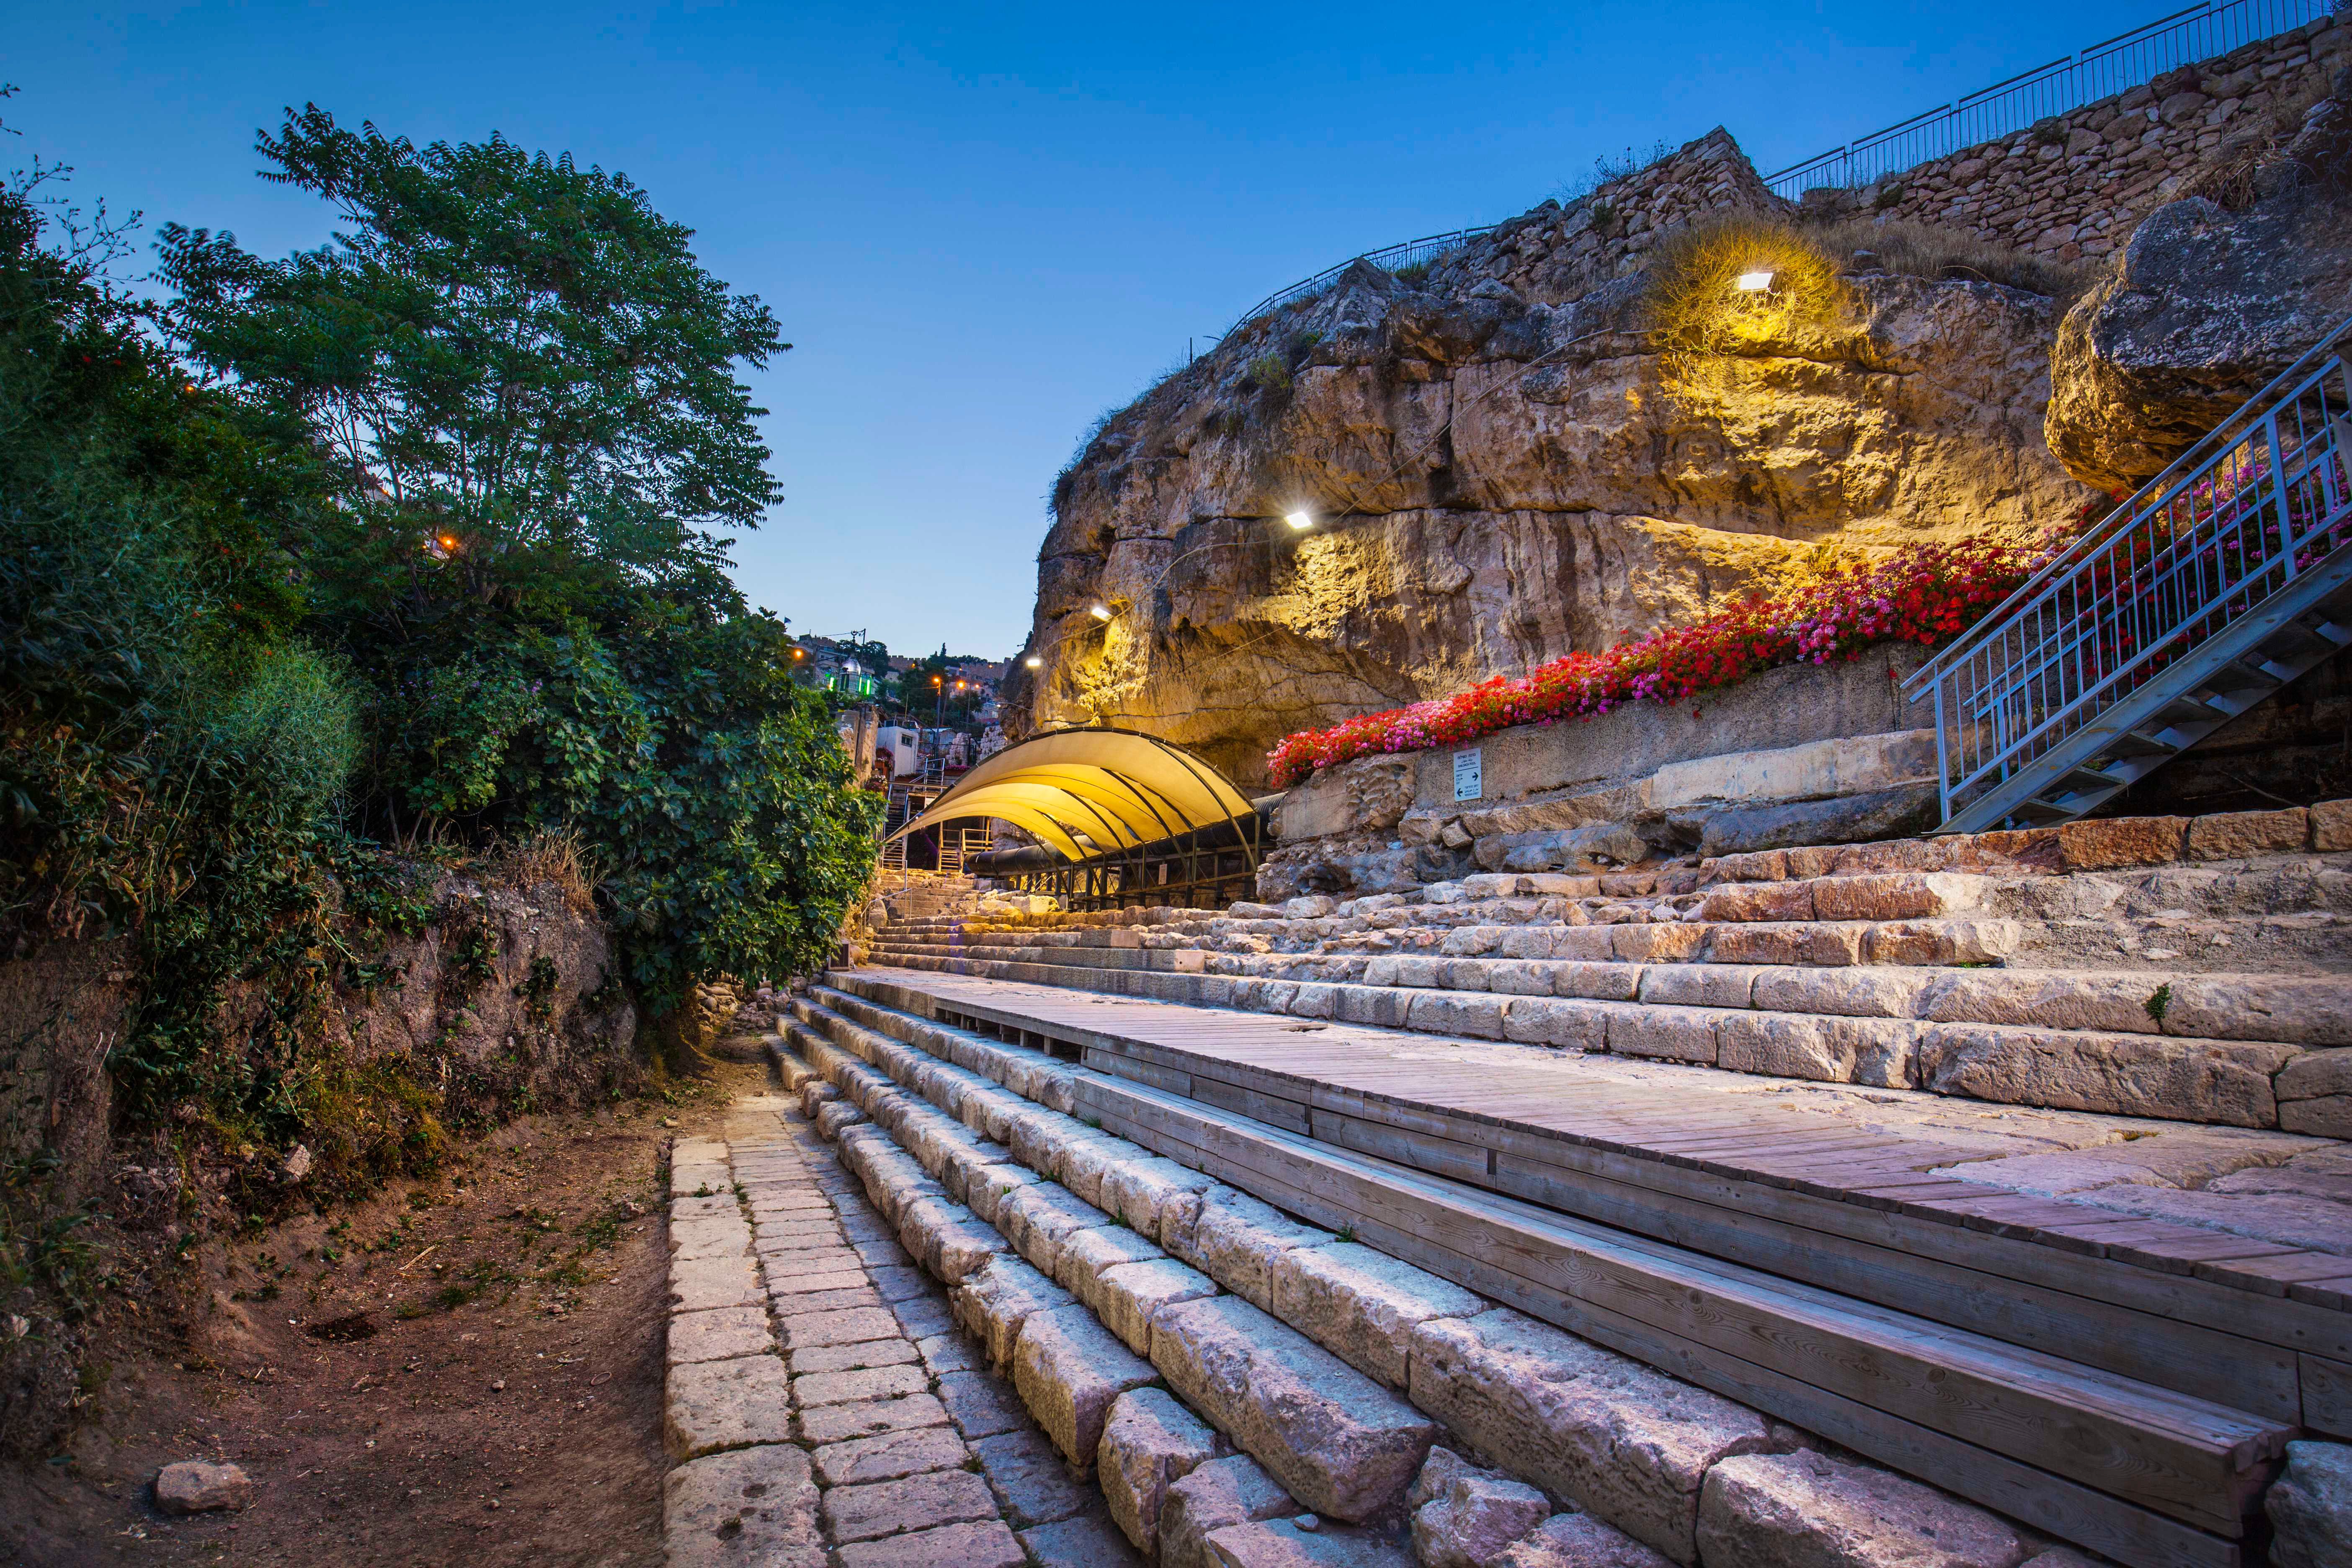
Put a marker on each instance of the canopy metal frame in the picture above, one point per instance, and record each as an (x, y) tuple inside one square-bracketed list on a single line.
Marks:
[(1135, 819)]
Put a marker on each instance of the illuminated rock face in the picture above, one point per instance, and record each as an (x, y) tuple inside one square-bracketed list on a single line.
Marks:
[(1499, 478)]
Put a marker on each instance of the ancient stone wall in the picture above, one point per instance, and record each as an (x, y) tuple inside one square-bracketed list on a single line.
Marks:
[(2076, 184)]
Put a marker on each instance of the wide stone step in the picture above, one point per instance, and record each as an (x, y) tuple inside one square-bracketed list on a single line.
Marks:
[(2089, 1056), (2025, 1431)]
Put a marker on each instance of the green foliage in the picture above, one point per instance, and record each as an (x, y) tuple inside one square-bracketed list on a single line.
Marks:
[(505, 350), (1268, 373)]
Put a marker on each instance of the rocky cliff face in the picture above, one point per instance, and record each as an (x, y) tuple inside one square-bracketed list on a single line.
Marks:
[(1505, 468), (2208, 302)]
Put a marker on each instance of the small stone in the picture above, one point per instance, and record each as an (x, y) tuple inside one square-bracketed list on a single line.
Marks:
[(201, 1485), (1308, 1522)]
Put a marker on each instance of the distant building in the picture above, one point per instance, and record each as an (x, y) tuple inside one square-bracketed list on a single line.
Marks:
[(826, 662)]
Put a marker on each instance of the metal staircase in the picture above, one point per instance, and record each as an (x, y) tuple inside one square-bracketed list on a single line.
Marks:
[(2228, 575)]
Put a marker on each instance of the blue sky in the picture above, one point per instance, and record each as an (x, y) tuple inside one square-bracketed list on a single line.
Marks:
[(980, 224)]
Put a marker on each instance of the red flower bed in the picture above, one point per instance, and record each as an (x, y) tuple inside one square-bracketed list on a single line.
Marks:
[(1923, 594)]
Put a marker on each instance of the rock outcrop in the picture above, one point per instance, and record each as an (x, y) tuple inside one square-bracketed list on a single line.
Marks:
[(1502, 467), (2205, 306)]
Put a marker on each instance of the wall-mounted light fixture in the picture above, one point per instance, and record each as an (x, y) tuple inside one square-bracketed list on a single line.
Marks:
[(1755, 282), (1099, 611), (1299, 519), (1034, 662)]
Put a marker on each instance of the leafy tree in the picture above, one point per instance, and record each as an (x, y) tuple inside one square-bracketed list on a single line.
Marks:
[(518, 362), (528, 384)]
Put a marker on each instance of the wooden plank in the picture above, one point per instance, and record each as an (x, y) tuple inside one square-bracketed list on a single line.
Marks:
[(2287, 1323), (2178, 1456), (2327, 1395), (2069, 1511)]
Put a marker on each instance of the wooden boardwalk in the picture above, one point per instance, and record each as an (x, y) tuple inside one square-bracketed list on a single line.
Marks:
[(1698, 1204)]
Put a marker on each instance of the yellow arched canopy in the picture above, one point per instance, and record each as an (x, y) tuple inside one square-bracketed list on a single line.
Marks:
[(1118, 788)]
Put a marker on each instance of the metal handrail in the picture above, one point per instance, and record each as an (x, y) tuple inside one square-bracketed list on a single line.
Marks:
[(2067, 83), (2156, 602), (2203, 32)]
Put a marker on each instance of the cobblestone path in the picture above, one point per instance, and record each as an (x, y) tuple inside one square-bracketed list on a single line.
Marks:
[(822, 1411)]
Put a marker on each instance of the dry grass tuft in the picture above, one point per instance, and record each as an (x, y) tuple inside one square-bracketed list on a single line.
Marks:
[(550, 856), (1694, 302), (1925, 250)]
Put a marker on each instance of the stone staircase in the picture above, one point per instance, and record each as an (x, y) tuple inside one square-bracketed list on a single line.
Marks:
[(1700, 1408), (2191, 969)]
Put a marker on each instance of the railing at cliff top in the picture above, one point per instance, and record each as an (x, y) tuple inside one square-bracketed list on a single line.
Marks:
[(2203, 32), (2121, 63), (2221, 580), (1395, 258)]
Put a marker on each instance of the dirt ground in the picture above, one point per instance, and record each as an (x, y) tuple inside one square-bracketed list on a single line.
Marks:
[(463, 1370)]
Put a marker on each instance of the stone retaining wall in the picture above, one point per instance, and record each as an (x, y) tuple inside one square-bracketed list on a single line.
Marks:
[(2076, 186)]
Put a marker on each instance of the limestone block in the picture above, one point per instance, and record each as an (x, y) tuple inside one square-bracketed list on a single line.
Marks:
[(834, 1115), (1623, 1442), (987, 1186), (1284, 1543), (1897, 896), (2235, 835), (753, 1505), (2331, 825), (1698, 984), (1129, 1295), (1087, 1253), (1235, 1239), (1598, 981), (698, 1283), (1474, 1014), (2049, 999), (1087, 1160), (880, 1509), (1149, 1442), (1377, 1006), (2314, 1010), (2102, 843), (1069, 1370), (2128, 1074), (1796, 1511), (992, 1304), (720, 1334), (1035, 1219), (1742, 902), (1337, 1440), (1548, 1021), (888, 1457), (1362, 1305), (1151, 1194), (710, 1406), (1477, 1515), (1866, 992), (1671, 1033), (1578, 1540), (2310, 1506), (1880, 1051), (962, 1247), (1217, 1493)]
